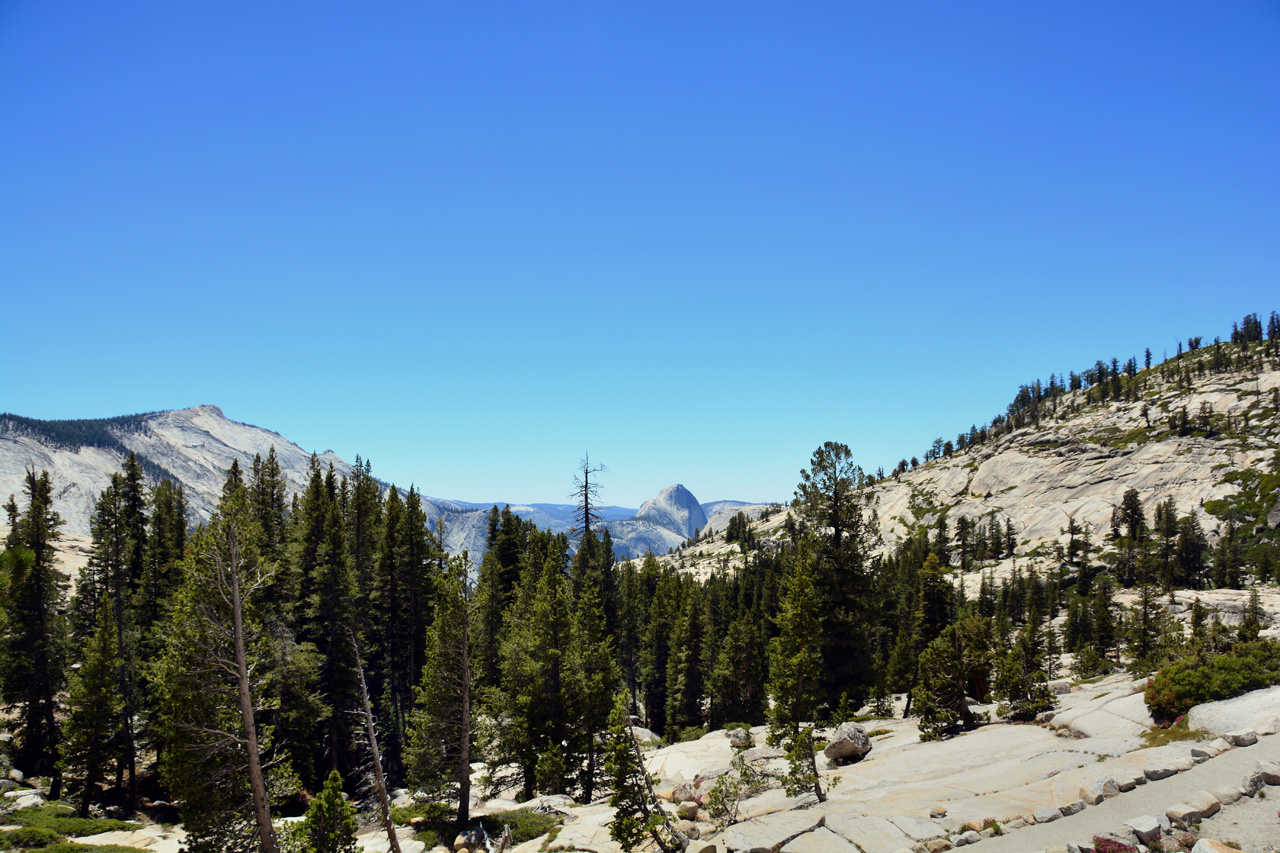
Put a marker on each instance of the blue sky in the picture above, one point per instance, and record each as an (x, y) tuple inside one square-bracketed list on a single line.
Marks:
[(471, 241)]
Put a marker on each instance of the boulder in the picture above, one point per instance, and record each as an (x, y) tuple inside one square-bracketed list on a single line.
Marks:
[(1161, 771), (1207, 804), (937, 845), (1227, 795), (1243, 713), (1073, 808), (29, 799), (1048, 814), (1183, 815), (1203, 753), (1269, 771), (688, 809), (689, 829), (937, 812), (848, 743), (972, 837), (16, 775), (1242, 737), (1101, 789), (469, 839), (683, 792), (700, 847), (1220, 745), (958, 840), (1145, 827), (1209, 845), (740, 738), (1253, 783)]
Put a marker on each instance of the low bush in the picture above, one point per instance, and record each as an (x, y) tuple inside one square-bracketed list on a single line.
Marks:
[(431, 813), (526, 824), (28, 838), (73, 847), (63, 821), (1186, 683), (438, 825)]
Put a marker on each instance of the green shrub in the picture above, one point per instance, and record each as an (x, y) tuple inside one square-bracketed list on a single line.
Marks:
[(73, 847), (62, 820), (27, 838), (689, 733), (1183, 684), (438, 825), (526, 824), (432, 813)]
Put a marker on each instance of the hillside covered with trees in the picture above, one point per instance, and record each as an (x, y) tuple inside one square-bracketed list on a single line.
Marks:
[(330, 642)]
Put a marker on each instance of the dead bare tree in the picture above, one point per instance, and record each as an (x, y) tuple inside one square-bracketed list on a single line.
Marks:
[(371, 733), (586, 493)]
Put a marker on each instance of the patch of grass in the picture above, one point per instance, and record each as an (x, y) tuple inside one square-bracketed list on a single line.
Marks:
[(61, 819), (525, 824), (28, 838), (431, 812), (1174, 733), (436, 824), (878, 732), (690, 733)]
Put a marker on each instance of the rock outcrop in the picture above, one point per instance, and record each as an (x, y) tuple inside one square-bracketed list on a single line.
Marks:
[(674, 508)]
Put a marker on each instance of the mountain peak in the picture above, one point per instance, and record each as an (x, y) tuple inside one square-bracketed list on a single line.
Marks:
[(675, 508)]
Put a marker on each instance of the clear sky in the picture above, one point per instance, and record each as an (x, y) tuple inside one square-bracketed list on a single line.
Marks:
[(471, 241)]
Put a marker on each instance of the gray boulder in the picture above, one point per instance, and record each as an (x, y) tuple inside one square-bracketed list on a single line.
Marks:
[(1146, 828), (1048, 814), (849, 743), (740, 739), (1269, 771), (1243, 737)]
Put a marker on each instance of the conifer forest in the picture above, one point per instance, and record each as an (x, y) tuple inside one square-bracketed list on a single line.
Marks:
[(311, 653)]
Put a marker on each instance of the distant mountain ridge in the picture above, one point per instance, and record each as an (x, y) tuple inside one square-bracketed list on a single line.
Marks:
[(196, 446)]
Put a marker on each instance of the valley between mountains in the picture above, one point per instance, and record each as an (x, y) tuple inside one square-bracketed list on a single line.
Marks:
[(1062, 625)]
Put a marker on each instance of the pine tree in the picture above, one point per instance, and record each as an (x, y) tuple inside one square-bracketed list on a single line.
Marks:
[(638, 813), (1023, 683), (33, 638), (441, 728), (330, 824), (795, 664), (736, 685), (166, 542), (684, 673), (595, 682), (832, 501), (267, 496), (93, 706), (210, 679), (954, 666)]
